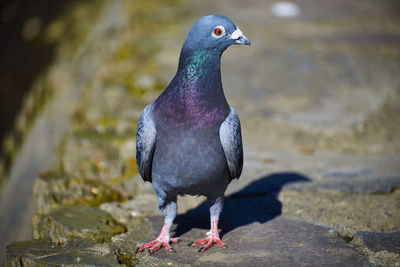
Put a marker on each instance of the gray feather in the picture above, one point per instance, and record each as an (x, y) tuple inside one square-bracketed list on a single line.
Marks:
[(231, 140), (145, 143)]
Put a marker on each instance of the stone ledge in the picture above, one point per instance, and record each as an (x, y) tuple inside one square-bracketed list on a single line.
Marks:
[(76, 252), (77, 222)]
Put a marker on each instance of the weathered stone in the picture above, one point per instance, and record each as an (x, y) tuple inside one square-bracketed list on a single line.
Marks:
[(278, 242), (286, 169), (126, 258), (94, 151), (348, 173), (75, 252), (52, 190), (130, 240), (254, 232), (382, 249), (362, 184), (253, 207), (345, 212), (271, 183), (143, 203), (130, 211), (76, 222), (381, 241)]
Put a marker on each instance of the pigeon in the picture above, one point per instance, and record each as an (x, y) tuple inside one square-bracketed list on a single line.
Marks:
[(189, 139)]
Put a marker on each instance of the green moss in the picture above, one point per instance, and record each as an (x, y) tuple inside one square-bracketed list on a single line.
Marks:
[(93, 134), (126, 257), (129, 170), (140, 44), (102, 130), (57, 189), (77, 222)]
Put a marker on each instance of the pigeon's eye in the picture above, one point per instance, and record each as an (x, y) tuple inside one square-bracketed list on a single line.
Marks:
[(218, 31)]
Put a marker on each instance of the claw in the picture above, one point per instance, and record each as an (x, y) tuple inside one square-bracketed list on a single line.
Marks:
[(200, 242)]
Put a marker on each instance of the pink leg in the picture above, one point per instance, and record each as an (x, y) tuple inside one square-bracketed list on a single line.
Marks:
[(212, 238), (162, 240)]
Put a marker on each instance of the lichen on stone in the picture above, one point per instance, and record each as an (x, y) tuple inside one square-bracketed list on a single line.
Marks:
[(69, 222)]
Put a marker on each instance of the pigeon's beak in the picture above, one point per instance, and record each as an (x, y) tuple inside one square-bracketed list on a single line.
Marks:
[(239, 37)]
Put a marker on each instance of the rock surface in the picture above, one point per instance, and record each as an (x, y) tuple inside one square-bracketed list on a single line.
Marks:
[(274, 242), (76, 222), (55, 190), (345, 212), (363, 184), (73, 253), (382, 249), (381, 241)]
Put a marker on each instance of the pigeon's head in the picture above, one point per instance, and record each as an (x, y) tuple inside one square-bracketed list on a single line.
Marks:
[(215, 32)]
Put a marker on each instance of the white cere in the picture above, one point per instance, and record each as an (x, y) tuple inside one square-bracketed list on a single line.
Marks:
[(236, 34)]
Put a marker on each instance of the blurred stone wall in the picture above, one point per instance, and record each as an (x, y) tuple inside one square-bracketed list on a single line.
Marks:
[(318, 98)]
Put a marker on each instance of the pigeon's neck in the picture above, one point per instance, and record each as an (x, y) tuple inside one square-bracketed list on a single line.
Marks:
[(197, 66), (194, 99)]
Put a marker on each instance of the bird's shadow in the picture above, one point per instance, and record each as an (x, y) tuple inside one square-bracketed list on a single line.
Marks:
[(257, 202)]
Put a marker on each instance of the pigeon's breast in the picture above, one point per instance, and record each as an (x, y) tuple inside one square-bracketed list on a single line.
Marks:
[(190, 163)]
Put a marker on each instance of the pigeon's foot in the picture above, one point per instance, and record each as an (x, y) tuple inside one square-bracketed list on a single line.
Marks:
[(157, 244), (162, 240), (213, 237), (209, 242)]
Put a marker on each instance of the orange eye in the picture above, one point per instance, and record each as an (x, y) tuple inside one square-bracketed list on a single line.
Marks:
[(217, 31)]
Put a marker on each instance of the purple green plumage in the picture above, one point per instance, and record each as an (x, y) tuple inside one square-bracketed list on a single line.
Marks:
[(189, 138)]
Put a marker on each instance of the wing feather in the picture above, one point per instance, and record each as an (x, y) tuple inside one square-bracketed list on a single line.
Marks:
[(145, 143), (231, 140)]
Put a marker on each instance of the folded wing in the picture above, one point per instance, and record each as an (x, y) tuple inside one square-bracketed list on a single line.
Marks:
[(145, 143), (231, 140)]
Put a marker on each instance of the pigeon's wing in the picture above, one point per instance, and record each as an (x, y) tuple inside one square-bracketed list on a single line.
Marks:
[(231, 140), (145, 143)]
